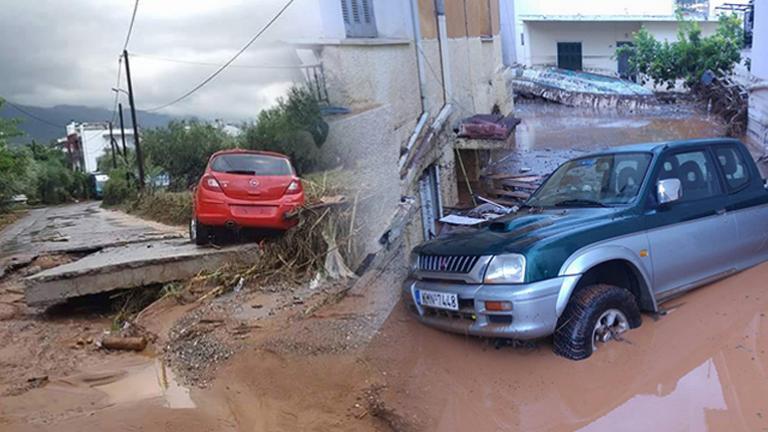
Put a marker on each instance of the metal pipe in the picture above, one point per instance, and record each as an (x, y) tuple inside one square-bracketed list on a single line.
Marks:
[(758, 86), (442, 32), (419, 53), (416, 131)]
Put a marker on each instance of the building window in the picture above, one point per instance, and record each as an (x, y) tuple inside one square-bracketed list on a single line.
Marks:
[(359, 19)]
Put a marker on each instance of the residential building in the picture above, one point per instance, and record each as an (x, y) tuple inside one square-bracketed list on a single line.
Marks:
[(406, 70), (86, 142), (757, 127), (584, 35)]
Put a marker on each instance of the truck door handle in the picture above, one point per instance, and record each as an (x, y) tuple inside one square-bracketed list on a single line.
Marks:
[(720, 212)]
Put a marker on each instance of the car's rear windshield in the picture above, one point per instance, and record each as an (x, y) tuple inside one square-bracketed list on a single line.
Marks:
[(251, 164)]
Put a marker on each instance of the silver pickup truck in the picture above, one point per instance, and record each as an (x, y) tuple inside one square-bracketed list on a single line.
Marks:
[(606, 236)]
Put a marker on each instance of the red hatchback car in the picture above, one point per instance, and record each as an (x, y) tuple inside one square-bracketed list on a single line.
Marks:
[(245, 189)]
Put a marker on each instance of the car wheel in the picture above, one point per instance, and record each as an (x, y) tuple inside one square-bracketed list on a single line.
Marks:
[(198, 233), (594, 315)]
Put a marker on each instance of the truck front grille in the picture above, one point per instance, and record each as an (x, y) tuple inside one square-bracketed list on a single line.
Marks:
[(447, 264)]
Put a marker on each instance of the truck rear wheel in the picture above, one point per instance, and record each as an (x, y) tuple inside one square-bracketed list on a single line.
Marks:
[(594, 315)]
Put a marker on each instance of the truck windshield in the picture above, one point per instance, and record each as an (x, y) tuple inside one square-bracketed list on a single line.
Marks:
[(598, 181), (252, 164)]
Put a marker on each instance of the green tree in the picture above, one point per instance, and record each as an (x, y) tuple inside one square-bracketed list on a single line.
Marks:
[(13, 162), (182, 149), (294, 127), (690, 56)]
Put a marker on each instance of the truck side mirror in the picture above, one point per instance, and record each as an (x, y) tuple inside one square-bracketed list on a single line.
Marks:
[(668, 190)]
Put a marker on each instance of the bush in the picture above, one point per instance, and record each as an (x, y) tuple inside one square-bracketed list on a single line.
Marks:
[(690, 56), (118, 189), (182, 150), (172, 208), (295, 127)]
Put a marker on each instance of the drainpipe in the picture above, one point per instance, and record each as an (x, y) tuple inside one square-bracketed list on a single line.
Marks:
[(422, 80), (419, 53), (442, 38)]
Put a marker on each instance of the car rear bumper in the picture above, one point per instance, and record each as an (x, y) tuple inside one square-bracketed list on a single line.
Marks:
[(246, 214), (533, 314)]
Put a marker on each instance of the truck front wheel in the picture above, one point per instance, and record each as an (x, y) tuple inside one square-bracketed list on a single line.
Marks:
[(595, 314)]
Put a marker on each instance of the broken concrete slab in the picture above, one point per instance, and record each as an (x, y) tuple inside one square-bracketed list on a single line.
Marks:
[(129, 266), (577, 88), (75, 228)]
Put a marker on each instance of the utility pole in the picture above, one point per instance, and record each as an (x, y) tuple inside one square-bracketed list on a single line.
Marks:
[(139, 154), (122, 132), (112, 145)]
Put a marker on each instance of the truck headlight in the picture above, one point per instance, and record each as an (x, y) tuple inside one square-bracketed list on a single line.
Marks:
[(508, 268), (413, 262)]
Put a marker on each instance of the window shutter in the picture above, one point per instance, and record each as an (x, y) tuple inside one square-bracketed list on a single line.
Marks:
[(359, 19)]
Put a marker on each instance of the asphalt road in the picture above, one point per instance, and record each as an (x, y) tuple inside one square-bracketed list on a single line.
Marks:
[(75, 228)]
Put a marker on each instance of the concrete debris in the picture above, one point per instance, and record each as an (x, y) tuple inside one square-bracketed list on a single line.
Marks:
[(576, 88), (130, 266)]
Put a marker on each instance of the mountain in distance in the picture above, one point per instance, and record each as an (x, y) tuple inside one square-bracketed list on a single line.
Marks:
[(62, 115)]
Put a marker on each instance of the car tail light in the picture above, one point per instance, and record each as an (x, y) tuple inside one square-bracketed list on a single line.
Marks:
[(294, 187), (210, 183)]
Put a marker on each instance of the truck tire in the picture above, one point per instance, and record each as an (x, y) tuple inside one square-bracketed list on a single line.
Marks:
[(578, 330), (199, 233)]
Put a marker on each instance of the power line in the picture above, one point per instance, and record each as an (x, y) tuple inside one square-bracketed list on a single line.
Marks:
[(197, 63), (29, 114), (130, 27), (120, 59), (225, 65)]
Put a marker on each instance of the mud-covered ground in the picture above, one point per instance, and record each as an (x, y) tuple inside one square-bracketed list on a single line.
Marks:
[(347, 355)]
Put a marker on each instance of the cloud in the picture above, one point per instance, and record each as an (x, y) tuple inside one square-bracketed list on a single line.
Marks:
[(54, 52)]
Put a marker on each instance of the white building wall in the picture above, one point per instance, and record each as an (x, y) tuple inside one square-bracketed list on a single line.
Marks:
[(760, 41), (95, 142), (571, 19), (508, 33), (598, 42), (667, 30), (757, 127), (606, 9), (322, 20)]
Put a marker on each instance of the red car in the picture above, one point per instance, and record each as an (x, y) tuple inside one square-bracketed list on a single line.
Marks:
[(245, 189)]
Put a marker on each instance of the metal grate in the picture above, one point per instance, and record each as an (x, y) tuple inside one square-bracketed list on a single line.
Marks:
[(447, 264)]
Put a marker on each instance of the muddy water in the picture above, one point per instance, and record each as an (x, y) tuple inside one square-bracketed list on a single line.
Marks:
[(147, 381), (701, 367), (549, 134)]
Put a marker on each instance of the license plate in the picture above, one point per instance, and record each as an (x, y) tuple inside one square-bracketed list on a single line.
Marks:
[(438, 300), (252, 210)]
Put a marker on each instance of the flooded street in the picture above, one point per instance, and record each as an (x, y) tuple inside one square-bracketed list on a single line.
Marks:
[(361, 362), (701, 367), (550, 134)]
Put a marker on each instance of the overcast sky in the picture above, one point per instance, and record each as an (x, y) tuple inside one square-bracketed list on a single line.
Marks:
[(65, 52)]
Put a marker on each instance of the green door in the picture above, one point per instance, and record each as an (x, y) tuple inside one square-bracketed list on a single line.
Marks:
[(569, 55)]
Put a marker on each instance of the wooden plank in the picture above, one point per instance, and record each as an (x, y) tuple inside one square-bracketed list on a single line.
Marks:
[(528, 178), (519, 184), (510, 194)]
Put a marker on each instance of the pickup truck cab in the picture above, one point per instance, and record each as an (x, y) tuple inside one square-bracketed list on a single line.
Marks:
[(606, 236)]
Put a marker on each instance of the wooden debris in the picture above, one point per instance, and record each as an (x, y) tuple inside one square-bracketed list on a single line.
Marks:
[(124, 343)]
